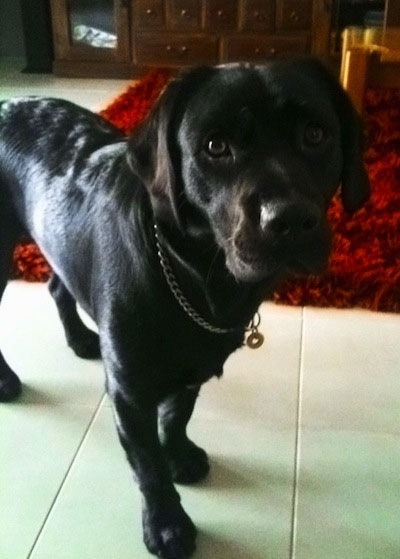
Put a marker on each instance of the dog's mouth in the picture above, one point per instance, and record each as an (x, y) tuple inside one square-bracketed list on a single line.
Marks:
[(253, 266)]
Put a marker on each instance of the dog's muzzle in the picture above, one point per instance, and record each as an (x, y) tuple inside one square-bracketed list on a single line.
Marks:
[(288, 236)]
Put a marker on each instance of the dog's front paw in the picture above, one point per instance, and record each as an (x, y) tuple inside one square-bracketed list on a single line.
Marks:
[(10, 389), (10, 385), (169, 534), (86, 345), (188, 463)]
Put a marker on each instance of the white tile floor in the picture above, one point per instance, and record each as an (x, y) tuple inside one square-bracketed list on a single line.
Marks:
[(303, 434)]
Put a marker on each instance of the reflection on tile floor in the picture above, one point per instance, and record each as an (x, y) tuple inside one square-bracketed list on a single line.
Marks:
[(303, 434)]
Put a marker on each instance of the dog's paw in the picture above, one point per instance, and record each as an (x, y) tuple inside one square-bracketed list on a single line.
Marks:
[(10, 386), (169, 534), (188, 463), (86, 346)]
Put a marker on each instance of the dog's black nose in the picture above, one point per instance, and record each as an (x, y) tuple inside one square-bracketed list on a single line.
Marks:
[(293, 220)]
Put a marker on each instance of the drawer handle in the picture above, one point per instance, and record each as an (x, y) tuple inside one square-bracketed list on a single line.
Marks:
[(294, 16), (150, 12), (183, 50), (220, 13), (272, 51), (259, 16), (184, 12)]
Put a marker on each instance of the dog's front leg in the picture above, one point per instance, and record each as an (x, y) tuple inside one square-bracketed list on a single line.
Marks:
[(168, 531), (187, 462)]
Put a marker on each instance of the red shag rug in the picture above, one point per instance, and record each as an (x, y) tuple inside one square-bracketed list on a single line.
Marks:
[(365, 264)]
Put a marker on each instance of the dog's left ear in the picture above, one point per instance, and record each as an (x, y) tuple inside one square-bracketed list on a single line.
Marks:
[(150, 158), (355, 186), (153, 153)]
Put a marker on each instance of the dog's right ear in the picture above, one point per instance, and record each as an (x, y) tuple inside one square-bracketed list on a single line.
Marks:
[(153, 153), (355, 184)]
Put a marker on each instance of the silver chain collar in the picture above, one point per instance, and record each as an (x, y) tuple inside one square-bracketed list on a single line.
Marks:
[(254, 340)]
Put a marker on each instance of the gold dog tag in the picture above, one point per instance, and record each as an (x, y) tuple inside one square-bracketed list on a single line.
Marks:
[(255, 339)]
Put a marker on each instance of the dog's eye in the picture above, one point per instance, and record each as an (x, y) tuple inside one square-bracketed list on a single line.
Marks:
[(314, 135), (217, 147)]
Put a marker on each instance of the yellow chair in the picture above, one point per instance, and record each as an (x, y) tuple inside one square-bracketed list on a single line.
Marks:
[(370, 58)]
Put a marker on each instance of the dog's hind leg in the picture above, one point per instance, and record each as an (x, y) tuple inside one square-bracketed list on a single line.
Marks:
[(10, 385), (187, 462), (83, 341)]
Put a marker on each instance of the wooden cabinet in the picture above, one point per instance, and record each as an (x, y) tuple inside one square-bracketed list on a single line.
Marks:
[(252, 48), (120, 38), (220, 15), (184, 15), (257, 16), (165, 49), (293, 15)]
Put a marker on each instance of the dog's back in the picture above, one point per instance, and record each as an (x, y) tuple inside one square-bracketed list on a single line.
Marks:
[(56, 157), (42, 140)]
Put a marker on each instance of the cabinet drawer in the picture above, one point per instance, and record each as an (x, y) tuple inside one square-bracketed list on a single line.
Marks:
[(184, 14), (294, 14), (221, 15), (164, 49), (257, 15), (260, 47), (148, 14)]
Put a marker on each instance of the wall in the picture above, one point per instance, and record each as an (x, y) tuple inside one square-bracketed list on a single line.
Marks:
[(11, 35)]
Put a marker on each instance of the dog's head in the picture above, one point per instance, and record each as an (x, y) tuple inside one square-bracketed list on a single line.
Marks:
[(252, 155)]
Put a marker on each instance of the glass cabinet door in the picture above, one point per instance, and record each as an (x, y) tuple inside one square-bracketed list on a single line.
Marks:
[(92, 23), (91, 29)]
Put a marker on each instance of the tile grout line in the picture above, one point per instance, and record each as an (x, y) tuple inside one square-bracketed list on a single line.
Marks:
[(296, 465), (66, 475)]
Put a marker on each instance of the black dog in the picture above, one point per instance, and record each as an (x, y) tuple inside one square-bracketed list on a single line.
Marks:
[(171, 239)]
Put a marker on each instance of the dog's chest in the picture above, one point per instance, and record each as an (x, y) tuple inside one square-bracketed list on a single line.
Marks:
[(183, 353)]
